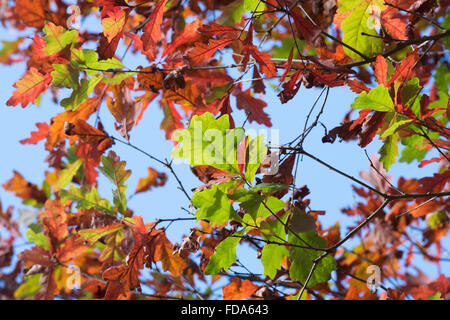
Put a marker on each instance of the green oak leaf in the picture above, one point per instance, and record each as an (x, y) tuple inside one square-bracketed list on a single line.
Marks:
[(213, 205), (80, 94), (57, 38), (114, 170), (65, 75), (93, 235), (87, 199), (377, 99), (66, 175), (258, 207), (302, 259), (34, 234), (359, 21), (272, 256), (389, 151), (225, 254)]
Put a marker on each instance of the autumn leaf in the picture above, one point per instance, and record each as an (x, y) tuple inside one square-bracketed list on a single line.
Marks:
[(56, 132), (153, 179), (36, 136), (113, 20), (24, 189), (309, 31), (152, 30), (253, 107), (202, 52), (238, 290), (29, 88), (124, 109)]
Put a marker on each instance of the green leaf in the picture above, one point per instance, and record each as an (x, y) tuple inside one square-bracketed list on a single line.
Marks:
[(436, 296), (29, 287), (209, 141), (269, 188), (114, 170), (34, 234), (358, 22), (256, 154), (80, 94), (225, 254), (93, 235), (213, 205), (117, 78), (66, 175), (413, 149), (389, 151), (377, 99), (274, 230), (87, 200), (65, 75), (394, 127), (272, 256), (258, 207), (410, 91), (302, 260), (57, 38)]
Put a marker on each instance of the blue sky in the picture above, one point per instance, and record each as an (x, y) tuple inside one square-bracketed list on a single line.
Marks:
[(329, 191)]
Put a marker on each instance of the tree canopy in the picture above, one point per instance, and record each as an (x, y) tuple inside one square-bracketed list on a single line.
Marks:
[(204, 61)]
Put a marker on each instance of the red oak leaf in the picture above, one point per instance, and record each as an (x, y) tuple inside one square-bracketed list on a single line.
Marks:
[(152, 29), (29, 88)]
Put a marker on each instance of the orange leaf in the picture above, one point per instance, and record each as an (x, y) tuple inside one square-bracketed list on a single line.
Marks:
[(238, 290), (154, 179), (113, 20), (381, 69), (56, 132), (24, 189)]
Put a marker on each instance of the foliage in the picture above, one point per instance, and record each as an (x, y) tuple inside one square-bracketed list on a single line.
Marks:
[(392, 55)]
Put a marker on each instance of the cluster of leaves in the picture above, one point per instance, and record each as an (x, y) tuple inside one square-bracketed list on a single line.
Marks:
[(391, 54)]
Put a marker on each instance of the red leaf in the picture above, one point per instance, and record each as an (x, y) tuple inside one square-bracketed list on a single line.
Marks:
[(137, 43), (309, 31), (36, 136), (172, 119), (152, 30), (253, 107), (188, 35), (263, 59), (113, 20), (202, 52), (287, 65), (357, 86), (241, 154), (32, 84), (215, 29), (423, 163), (404, 71), (291, 87), (24, 189), (370, 128)]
